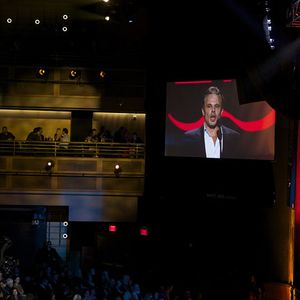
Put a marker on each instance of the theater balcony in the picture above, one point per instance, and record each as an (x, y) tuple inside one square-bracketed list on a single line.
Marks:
[(81, 176), (102, 187)]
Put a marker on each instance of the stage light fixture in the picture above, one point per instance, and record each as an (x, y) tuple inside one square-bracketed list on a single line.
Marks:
[(42, 73), (75, 74), (117, 170), (102, 74), (49, 166), (35, 222)]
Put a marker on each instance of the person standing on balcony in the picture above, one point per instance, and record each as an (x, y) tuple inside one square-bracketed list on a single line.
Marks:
[(57, 135), (65, 139), (35, 134), (5, 135), (135, 138), (92, 136)]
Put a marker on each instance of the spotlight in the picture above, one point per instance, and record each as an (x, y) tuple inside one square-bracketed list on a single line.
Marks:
[(35, 222), (117, 170), (64, 29), (102, 74), (65, 223), (65, 17), (42, 73), (65, 235), (9, 20), (37, 22), (75, 74), (49, 166)]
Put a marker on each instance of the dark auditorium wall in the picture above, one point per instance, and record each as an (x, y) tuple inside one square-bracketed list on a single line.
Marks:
[(253, 231), (252, 228)]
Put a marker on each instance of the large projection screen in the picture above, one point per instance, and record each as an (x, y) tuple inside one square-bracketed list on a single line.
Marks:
[(254, 122)]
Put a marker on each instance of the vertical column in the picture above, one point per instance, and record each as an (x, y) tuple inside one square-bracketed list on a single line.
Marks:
[(297, 210), (81, 123)]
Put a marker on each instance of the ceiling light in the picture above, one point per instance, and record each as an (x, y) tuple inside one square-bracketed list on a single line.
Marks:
[(65, 17), (37, 21), (107, 18), (9, 20), (64, 29)]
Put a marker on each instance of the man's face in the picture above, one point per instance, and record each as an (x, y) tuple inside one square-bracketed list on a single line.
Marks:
[(212, 110)]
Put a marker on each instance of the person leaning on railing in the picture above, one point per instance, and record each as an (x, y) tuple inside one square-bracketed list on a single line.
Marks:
[(35, 135), (65, 139), (57, 135), (5, 135), (7, 141)]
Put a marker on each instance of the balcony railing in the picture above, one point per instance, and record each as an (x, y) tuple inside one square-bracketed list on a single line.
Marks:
[(78, 149)]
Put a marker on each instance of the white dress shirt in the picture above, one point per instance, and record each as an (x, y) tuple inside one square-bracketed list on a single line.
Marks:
[(212, 149)]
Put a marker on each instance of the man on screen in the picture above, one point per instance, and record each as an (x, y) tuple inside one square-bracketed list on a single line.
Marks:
[(213, 139)]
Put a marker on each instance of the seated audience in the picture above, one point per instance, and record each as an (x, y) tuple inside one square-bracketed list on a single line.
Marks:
[(92, 137), (18, 286), (135, 139), (121, 135), (104, 135)]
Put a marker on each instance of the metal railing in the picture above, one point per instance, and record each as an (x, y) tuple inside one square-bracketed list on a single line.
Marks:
[(78, 149)]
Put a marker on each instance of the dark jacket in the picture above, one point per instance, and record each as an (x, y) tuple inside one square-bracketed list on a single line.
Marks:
[(193, 144)]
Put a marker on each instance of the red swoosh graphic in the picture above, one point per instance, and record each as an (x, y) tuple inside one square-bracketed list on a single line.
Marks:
[(200, 81), (186, 126), (250, 126)]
